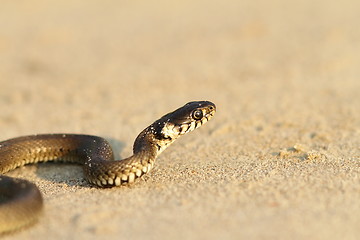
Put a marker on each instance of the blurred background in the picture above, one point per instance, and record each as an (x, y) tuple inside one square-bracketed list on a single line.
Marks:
[(127, 56), (280, 72)]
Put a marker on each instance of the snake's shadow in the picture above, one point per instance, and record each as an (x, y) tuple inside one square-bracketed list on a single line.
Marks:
[(72, 174)]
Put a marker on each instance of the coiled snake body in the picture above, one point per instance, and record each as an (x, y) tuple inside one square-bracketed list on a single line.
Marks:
[(21, 201)]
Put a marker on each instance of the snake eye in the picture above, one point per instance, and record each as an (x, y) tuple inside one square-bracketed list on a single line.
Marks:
[(197, 114)]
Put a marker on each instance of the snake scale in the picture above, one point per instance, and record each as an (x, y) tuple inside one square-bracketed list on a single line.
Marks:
[(21, 201)]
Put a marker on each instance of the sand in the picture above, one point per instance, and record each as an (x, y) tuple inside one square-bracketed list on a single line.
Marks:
[(280, 159)]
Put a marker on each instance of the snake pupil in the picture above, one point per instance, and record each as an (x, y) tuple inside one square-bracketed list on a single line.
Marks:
[(197, 114)]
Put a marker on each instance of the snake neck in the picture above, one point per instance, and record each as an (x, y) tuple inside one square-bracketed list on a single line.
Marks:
[(153, 140)]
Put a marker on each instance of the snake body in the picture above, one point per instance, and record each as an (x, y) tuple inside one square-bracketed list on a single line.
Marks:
[(21, 201)]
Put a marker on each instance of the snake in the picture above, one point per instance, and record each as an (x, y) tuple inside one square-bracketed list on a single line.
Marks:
[(21, 201)]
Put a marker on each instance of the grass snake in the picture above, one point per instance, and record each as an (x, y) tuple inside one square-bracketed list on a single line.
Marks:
[(21, 201)]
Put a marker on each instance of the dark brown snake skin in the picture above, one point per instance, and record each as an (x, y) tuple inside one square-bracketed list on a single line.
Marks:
[(21, 201)]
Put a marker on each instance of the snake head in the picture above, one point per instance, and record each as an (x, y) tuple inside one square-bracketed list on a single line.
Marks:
[(168, 128), (186, 118)]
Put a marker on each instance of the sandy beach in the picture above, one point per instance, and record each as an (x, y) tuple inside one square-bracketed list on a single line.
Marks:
[(279, 160)]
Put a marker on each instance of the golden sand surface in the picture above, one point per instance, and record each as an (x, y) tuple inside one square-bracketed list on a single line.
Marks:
[(279, 160)]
